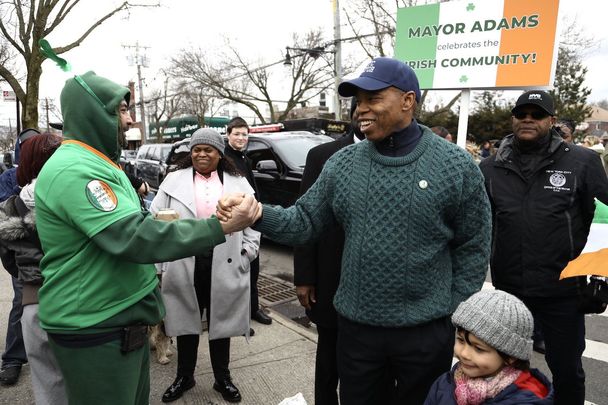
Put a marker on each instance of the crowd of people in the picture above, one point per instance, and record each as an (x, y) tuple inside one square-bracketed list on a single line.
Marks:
[(394, 229)]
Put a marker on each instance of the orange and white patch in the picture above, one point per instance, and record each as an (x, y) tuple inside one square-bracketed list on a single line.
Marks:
[(101, 195)]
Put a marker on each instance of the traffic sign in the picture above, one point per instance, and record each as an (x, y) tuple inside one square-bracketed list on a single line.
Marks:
[(8, 95)]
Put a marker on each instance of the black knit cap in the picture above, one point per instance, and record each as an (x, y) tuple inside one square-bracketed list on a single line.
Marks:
[(27, 134)]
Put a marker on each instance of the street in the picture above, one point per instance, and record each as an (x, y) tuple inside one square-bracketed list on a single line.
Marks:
[(278, 261), (277, 268)]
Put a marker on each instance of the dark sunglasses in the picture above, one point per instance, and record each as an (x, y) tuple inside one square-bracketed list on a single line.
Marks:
[(536, 115)]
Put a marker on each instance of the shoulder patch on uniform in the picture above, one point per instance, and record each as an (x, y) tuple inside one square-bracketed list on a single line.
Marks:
[(101, 195)]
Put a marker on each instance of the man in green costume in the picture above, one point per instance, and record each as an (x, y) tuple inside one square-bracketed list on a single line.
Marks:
[(100, 287)]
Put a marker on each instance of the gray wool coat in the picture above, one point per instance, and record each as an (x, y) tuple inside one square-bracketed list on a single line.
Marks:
[(230, 280)]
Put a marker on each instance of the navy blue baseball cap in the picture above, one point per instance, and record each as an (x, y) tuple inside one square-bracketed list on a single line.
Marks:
[(380, 74)]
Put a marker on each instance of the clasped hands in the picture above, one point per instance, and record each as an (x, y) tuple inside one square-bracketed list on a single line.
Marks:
[(237, 211)]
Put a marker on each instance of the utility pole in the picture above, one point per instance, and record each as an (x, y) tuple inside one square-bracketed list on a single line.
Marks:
[(46, 107), (140, 60), (337, 59)]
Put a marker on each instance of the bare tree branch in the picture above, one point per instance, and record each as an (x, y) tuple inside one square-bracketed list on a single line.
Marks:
[(31, 21), (233, 79), (95, 25)]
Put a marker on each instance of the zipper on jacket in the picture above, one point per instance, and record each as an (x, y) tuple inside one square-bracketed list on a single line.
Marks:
[(569, 221)]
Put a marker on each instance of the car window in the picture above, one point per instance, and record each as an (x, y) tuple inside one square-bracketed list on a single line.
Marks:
[(164, 151), (141, 153), (293, 150), (153, 154), (257, 151)]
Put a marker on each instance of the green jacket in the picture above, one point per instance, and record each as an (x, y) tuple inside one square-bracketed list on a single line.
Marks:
[(417, 229), (99, 246)]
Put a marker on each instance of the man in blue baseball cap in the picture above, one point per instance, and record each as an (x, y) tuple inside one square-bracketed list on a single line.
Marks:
[(416, 220)]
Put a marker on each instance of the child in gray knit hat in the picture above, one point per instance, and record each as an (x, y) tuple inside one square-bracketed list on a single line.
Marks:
[(493, 346)]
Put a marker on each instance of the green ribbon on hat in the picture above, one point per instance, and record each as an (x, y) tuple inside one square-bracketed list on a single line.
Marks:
[(47, 50)]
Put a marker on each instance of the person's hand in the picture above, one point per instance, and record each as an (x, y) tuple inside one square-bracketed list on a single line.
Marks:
[(306, 295), (143, 189), (240, 216), (225, 204)]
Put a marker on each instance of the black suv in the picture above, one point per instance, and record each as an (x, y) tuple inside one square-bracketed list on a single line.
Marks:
[(127, 160), (277, 160), (150, 163)]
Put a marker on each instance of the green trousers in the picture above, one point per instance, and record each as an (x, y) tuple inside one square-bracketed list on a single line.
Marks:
[(102, 374)]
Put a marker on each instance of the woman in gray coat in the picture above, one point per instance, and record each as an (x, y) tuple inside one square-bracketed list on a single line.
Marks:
[(218, 281)]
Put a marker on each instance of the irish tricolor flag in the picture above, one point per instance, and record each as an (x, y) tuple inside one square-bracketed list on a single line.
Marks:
[(594, 258), (479, 43)]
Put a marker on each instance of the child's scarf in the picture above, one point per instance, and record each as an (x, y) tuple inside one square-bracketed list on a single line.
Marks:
[(474, 391)]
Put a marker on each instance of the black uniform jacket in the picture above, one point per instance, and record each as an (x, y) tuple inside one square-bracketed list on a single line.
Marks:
[(319, 264), (541, 223)]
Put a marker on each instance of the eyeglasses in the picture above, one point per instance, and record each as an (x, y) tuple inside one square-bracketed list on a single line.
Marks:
[(536, 115)]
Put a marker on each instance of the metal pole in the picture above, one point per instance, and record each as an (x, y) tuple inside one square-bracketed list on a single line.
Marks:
[(141, 102), (46, 105), (463, 120), (337, 59), (18, 117)]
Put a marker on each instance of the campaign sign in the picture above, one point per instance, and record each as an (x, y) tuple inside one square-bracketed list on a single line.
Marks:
[(480, 43)]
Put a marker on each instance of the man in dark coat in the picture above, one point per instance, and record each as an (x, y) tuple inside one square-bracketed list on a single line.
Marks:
[(317, 273), (237, 132), (542, 190)]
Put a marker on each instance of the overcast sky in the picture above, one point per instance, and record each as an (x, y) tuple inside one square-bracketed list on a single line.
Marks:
[(260, 29)]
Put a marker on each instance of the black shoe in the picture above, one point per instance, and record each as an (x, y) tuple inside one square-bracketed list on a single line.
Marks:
[(261, 317), (251, 332), (539, 346), (9, 375), (228, 390), (177, 389)]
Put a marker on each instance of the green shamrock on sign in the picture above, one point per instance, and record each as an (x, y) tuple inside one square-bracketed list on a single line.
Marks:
[(464, 79), (470, 7)]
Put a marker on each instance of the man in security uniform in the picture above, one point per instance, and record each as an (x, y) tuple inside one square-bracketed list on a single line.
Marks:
[(542, 192)]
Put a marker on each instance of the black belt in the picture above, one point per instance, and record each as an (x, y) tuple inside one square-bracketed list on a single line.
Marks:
[(131, 338)]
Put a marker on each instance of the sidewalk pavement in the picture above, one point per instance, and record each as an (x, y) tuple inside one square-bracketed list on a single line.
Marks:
[(278, 362)]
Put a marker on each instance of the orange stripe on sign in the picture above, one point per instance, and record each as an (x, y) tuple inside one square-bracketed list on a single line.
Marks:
[(538, 41)]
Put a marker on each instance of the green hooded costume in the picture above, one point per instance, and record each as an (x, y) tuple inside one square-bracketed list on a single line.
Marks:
[(99, 245)]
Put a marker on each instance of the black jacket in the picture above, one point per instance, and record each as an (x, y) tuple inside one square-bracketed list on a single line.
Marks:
[(242, 163), (319, 264), (20, 249), (541, 223)]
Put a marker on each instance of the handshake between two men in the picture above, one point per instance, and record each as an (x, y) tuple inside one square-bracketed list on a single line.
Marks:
[(237, 211)]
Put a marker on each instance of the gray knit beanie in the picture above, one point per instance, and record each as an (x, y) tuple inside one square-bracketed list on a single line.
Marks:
[(499, 319), (208, 136)]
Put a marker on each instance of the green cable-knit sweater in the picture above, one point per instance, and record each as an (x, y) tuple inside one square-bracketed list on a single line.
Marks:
[(417, 229)]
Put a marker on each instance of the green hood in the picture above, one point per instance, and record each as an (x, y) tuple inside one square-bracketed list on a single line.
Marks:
[(89, 115)]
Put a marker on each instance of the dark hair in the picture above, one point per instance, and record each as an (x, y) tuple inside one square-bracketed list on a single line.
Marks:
[(519, 364), (236, 122), (226, 165), (567, 122), (559, 131), (35, 151), (441, 131)]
